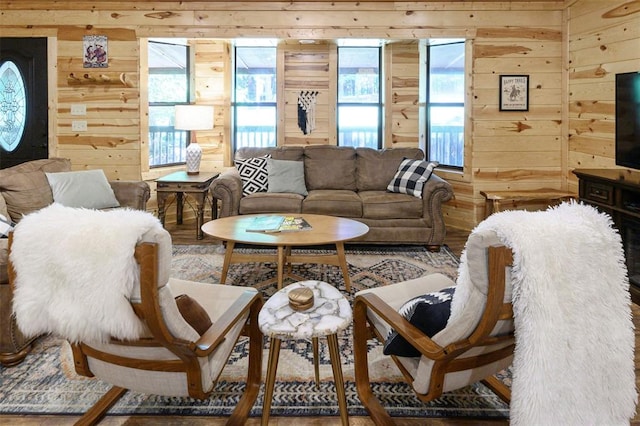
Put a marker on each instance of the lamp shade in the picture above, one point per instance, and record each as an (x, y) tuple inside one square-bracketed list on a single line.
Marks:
[(193, 117)]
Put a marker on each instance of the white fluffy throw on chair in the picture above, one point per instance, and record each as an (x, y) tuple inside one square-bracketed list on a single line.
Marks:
[(73, 264), (574, 357)]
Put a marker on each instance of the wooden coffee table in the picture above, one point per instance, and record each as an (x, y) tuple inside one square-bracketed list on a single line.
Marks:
[(325, 230)]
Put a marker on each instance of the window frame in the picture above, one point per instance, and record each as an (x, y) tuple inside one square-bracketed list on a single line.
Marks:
[(429, 104), (379, 105), (184, 134), (235, 104)]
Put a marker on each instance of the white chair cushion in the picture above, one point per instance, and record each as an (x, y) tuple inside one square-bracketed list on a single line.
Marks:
[(215, 299)]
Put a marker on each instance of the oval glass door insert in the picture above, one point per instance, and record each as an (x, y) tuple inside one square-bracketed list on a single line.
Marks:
[(13, 106)]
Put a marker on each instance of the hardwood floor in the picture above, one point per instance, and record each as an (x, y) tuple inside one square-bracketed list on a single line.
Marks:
[(185, 234)]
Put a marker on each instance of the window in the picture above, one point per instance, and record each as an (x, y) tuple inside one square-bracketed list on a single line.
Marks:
[(168, 86), (255, 97), (445, 102), (359, 100)]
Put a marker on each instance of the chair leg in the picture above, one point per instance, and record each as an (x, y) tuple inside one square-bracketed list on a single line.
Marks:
[(499, 388), (240, 414), (361, 365), (100, 408)]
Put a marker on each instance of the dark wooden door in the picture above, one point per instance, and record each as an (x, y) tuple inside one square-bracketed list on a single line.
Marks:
[(23, 100)]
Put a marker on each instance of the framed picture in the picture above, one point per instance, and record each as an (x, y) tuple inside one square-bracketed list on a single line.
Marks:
[(95, 51), (514, 93)]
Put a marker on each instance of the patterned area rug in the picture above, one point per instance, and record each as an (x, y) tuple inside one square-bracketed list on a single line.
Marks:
[(46, 382)]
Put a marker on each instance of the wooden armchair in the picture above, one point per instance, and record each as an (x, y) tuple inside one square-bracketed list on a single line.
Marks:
[(170, 357), (472, 347)]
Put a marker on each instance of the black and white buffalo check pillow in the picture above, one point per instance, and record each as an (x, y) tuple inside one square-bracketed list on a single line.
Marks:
[(429, 313), (411, 176), (253, 172)]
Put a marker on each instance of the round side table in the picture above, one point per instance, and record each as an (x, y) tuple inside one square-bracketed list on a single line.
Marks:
[(330, 314)]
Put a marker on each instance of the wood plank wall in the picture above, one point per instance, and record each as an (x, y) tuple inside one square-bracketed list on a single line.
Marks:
[(604, 39), (504, 150)]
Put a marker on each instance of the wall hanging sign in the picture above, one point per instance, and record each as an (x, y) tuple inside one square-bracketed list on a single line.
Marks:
[(514, 93), (307, 111), (95, 51)]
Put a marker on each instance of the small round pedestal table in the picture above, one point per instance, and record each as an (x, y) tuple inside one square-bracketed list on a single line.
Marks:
[(330, 314)]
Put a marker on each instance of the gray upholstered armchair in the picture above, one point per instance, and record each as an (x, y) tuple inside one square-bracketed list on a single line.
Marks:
[(23, 189)]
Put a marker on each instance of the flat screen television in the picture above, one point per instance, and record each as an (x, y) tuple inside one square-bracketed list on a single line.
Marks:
[(628, 119)]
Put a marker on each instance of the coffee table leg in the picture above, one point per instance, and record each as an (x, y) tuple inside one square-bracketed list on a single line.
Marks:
[(281, 258), (274, 354), (316, 355), (334, 352), (342, 259), (289, 264), (227, 261)]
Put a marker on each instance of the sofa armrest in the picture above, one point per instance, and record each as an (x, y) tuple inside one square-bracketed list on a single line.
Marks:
[(227, 188), (133, 194), (435, 192)]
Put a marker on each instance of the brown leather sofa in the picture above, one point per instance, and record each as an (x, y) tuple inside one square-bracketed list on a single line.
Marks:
[(25, 188), (346, 182)]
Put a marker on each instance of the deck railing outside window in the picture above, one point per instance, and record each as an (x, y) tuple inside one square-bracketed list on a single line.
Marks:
[(447, 145), (166, 144)]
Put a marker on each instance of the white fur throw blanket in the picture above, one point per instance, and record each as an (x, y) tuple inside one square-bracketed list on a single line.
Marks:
[(574, 356), (76, 272)]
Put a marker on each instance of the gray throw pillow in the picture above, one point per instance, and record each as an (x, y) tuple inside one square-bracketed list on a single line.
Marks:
[(286, 176), (87, 189)]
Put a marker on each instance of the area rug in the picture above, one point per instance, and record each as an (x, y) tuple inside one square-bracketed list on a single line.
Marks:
[(46, 383)]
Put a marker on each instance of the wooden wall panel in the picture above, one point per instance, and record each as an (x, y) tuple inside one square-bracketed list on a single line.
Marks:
[(212, 58), (581, 42), (516, 150), (404, 79), (307, 68), (603, 40), (112, 110)]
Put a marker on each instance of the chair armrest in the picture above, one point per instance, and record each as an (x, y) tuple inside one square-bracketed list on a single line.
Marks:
[(418, 339), (133, 194), (228, 189), (217, 332), (436, 191)]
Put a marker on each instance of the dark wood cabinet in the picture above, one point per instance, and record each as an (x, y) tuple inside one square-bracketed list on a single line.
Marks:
[(617, 192)]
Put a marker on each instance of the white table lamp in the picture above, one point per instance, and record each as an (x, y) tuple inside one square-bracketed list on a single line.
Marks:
[(193, 117)]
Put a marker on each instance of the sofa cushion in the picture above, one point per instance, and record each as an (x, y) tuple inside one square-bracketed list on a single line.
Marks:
[(375, 168), (330, 167), (25, 187), (389, 205), (411, 176), (335, 202), (87, 189), (253, 172), (286, 176), (271, 202)]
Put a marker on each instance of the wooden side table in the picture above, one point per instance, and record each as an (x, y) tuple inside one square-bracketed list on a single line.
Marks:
[(495, 199), (180, 183), (330, 314)]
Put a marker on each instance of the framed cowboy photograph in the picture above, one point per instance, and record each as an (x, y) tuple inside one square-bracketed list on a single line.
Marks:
[(514, 93)]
